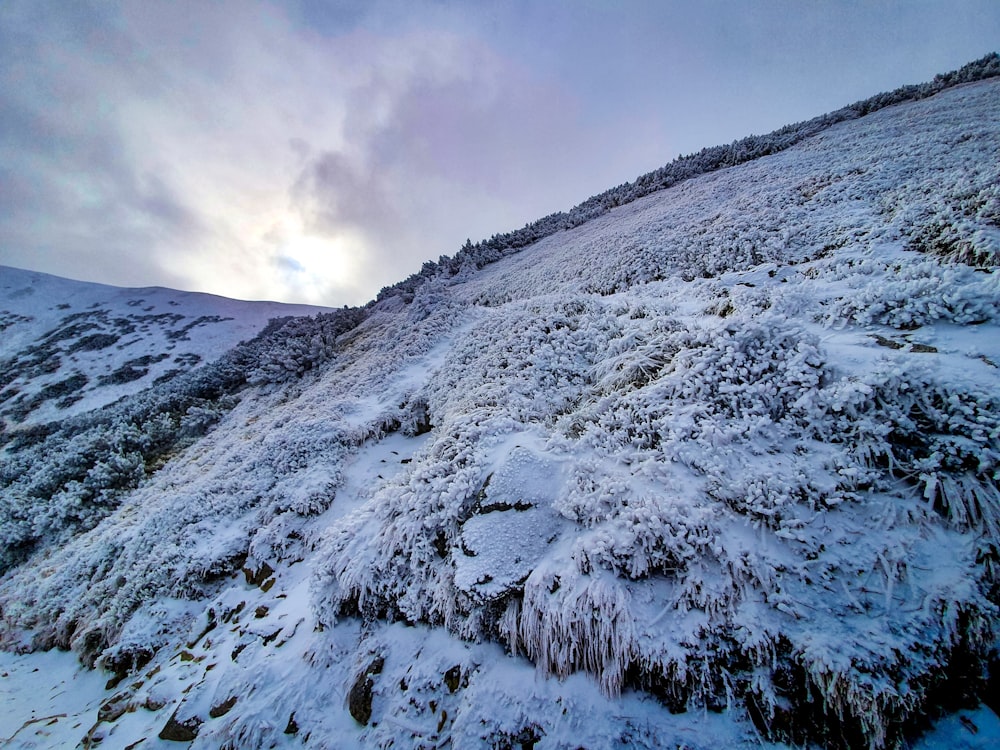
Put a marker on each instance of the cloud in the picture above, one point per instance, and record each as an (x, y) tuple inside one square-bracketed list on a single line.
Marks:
[(198, 143), (286, 263), (333, 192), (443, 140), (144, 143), (314, 151)]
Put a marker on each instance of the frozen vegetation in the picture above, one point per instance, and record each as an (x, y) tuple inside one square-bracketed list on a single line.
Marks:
[(715, 467)]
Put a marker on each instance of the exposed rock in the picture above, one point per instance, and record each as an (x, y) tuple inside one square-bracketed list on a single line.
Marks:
[(888, 343), (359, 699), (221, 709), (209, 627), (126, 663), (453, 678), (153, 703), (257, 578), (114, 707), (93, 738), (176, 730), (522, 740)]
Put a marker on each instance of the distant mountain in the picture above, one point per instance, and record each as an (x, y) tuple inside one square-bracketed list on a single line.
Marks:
[(718, 466), (70, 346)]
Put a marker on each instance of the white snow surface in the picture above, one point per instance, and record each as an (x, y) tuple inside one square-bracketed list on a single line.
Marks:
[(716, 469)]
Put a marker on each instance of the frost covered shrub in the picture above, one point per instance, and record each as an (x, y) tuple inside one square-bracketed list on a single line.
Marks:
[(777, 494), (636, 357), (528, 363), (942, 439), (380, 563), (738, 380), (919, 294), (958, 240), (963, 226), (954, 220), (754, 369), (592, 491), (70, 479), (289, 347), (647, 536), (567, 623)]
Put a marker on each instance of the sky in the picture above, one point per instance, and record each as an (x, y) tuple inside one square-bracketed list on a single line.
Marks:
[(314, 151)]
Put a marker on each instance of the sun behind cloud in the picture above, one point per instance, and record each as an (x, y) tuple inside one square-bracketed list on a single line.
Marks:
[(313, 264)]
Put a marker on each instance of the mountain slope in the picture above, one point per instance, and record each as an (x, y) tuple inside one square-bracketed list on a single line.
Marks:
[(719, 464)]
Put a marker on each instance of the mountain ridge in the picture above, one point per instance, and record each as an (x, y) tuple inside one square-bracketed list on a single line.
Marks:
[(682, 168)]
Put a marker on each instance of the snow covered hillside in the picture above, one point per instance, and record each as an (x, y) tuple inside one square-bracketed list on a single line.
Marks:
[(715, 468)]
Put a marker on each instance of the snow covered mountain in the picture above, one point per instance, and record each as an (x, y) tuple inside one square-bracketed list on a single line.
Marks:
[(69, 347), (716, 466)]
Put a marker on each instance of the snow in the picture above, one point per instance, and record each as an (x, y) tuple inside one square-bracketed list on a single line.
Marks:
[(717, 468), (48, 701), (965, 730), (512, 528)]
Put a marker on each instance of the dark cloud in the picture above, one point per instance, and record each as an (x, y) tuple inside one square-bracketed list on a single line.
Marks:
[(160, 203), (333, 192)]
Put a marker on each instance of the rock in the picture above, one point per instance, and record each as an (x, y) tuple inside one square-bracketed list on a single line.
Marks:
[(114, 707), (453, 678), (223, 708), (209, 627), (93, 738), (176, 730), (359, 699), (524, 739), (256, 578), (124, 664), (153, 703)]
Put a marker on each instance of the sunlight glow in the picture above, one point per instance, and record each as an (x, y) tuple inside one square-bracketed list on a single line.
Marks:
[(315, 264)]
